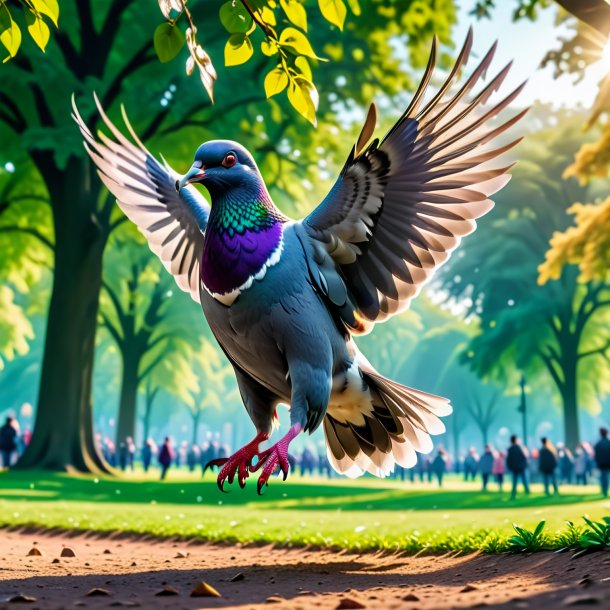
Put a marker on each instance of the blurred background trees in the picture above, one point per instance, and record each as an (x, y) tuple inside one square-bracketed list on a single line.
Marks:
[(96, 336)]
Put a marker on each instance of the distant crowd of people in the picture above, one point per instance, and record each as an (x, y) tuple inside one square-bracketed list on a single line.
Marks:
[(551, 465), (193, 456)]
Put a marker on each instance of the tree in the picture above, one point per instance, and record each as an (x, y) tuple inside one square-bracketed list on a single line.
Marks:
[(526, 327), (484, 410)]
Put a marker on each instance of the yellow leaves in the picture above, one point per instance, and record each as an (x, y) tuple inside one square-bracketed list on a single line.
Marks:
[(333, 11), (275, 81), (297, 43), (295, 12), (303, 96), (10, 33), (238, 50), (592, 160), (586, 244), (38, 30), (48, 8)]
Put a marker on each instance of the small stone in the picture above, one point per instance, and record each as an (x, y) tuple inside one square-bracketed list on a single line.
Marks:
[(468, 589), (203, 589), (307, 594), (586, 581), (133, 563), (410, 597), (55, 560), (181, 555), (20, 598), (239, 576), (67, 552), (581, 600), (167, 591), (350, 604), (274, 599), (107, 552), (97, 592), (34, 552)]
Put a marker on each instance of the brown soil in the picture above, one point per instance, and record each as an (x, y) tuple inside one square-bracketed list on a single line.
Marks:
[(132, 571)]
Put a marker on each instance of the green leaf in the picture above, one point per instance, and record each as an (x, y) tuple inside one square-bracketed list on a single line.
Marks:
[(235, 18), (297, 43), (333, 11), (10, 35), (539, 528), (295, 12), (304, 98), (167, 40), (49, 8), (238, 50), (38, 29), (275, 81)]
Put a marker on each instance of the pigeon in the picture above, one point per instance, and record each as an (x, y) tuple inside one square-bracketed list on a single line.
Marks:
[(285, 298)]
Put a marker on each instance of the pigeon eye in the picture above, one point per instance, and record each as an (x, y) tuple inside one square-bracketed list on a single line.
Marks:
[(230, 160)]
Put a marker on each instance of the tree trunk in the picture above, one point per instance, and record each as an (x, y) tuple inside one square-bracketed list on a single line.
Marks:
[(196, 417), (570, 405), (128, 402), (63, 431)]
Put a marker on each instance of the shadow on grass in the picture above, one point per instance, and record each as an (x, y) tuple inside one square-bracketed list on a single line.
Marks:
[(279, 495)]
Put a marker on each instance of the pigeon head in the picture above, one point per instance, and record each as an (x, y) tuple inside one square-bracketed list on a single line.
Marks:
[(222, 166)]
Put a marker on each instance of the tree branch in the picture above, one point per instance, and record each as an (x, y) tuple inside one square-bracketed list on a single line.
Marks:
[(116, 302), (17, 121), (150, 367), (550, 365), (599, 350), (28, 231), (116, 335)]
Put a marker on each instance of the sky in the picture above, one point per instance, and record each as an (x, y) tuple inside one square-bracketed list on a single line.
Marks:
[(527, 43)]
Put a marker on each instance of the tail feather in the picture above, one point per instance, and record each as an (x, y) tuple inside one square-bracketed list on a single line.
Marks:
[(399, 423)]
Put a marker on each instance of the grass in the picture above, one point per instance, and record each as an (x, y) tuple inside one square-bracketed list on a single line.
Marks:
[(359, 515)]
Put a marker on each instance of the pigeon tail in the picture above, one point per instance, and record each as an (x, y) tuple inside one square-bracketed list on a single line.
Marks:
[(397, 422)]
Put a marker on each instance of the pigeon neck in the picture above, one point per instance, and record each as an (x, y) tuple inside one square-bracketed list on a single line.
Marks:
[(242, 239)]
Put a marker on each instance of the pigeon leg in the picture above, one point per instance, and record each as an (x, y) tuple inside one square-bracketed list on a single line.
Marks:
[(239, 463), (275, 456)]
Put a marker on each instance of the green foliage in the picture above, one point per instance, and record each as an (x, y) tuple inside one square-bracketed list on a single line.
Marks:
[(168, 40), (597, 534), (526, 540), (569, 537), (35, 13), (524, 9), (15, 330)]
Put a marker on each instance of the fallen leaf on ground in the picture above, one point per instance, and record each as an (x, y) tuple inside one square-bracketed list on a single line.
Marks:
[(203, 589)]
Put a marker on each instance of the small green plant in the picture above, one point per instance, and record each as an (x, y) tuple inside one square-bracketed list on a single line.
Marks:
[(526, 541), (597, 534), (494, 543), (568, 538)]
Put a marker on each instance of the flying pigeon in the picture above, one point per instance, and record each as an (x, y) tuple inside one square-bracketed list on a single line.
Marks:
[(284, 298)]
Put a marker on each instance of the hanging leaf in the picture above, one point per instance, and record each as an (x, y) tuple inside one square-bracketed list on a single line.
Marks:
[(275, 81), (202, 60), (333, 11), (355, 7), (238, 50), (296, 42), (49, 8), (267, 15), (304, 98), (303, 67), (295, 12), (235, 18), (10, 34), (269, 48), (167, 40), (38, 29)]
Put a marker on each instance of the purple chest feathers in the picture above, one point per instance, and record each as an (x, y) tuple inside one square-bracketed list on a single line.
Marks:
[(234, 257)]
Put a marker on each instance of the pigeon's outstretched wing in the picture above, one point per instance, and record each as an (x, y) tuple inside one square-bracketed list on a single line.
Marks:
[(400, 206), (172, 222)]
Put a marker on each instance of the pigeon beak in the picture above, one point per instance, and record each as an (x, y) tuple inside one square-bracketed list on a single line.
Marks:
[(193, 175)]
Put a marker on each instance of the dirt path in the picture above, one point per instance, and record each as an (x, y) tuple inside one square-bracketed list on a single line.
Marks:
[(133, 571)]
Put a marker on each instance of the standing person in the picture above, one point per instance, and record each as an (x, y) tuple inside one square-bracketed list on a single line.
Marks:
[(516, 462), (166, 456), (581, 465), (602, 459), (8, 442), (439, 466), (566, 464), (547, 465), (499, 468), (485, 465), (148, 451), (194, 457), (470, 464)]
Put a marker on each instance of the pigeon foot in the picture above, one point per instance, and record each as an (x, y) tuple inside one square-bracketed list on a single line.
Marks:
[(240, 463), (274, 457)]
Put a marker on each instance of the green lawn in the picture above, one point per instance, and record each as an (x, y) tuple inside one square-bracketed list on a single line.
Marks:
[(361, 514)]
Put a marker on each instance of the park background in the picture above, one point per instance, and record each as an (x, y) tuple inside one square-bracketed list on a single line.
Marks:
[(95, 338)]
